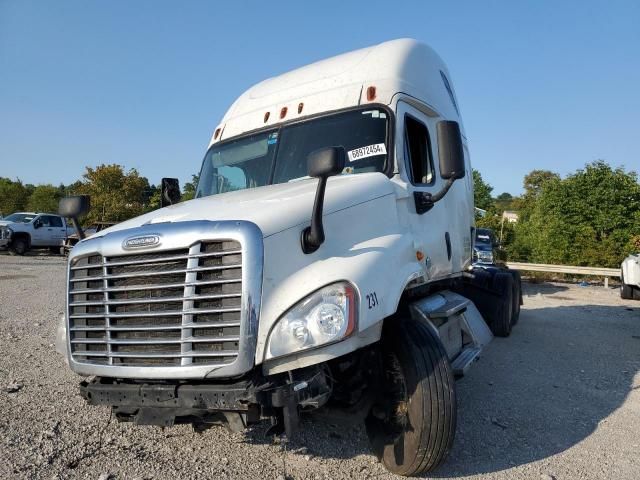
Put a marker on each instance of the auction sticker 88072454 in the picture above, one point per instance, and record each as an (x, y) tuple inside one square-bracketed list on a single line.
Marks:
[(368, 151)]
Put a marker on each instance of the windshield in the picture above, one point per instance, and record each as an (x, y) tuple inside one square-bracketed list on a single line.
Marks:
[(20, 217), (280, 155), (483, 237)]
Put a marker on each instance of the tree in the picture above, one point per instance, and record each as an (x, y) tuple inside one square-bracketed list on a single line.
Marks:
[(13, 196), (589, 218), (115, 195), (535, 180), (482, 192), (503, 202), (189, 189), (44, 198)]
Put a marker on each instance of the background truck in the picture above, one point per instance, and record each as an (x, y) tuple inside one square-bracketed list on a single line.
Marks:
[(485, 247), (23, 231), (324, 263), (74, 238)]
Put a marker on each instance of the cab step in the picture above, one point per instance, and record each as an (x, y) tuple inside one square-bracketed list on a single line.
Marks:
[(463, 362), (450, 308)]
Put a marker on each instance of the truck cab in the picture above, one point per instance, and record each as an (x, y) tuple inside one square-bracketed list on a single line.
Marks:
[(326, 259)]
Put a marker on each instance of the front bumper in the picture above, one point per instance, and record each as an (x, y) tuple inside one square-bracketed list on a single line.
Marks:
[(168, 403)]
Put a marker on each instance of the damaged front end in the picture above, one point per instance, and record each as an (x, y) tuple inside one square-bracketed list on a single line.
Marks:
[(236, 403)]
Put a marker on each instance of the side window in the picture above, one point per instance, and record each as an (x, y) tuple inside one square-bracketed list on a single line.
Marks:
[(417, 151), (55, 222), (44, 220)]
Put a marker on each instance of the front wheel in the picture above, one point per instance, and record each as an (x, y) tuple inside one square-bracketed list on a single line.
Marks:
[(500, 320), (18, 246), (412, 424), (626, 291)]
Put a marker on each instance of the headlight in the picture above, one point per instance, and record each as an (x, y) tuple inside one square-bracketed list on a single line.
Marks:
[(485, 256), (326, 316), (5, 232)]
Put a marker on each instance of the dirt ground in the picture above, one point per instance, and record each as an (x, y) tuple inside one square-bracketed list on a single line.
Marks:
[(558, 399)]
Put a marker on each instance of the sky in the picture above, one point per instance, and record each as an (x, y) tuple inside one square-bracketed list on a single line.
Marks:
[(541, 85)]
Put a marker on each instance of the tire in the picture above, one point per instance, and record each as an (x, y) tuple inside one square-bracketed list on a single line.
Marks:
[(500, 319), (412, 425), (19, 246), (517, 296), (626, 291)]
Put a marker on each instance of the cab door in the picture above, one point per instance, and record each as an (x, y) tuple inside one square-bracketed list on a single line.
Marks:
[(50, 231), (57, 231), (39, 233), (430, 227)]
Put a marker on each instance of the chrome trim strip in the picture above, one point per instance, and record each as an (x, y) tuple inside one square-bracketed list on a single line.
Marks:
[(163, 341), (179, 235), (106, 276), (90, 353), (159, 313), (141, 328), (81, 291), (159, 260), (134, 301)]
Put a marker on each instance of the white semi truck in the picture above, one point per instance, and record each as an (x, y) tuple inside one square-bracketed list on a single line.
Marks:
[(326, 262)]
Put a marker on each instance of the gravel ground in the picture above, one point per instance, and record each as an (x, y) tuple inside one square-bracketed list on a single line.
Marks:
[(558, 399)]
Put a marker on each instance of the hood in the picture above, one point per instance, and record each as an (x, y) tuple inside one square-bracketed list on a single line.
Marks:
[(273, 208), (483, 247), (4, 223)]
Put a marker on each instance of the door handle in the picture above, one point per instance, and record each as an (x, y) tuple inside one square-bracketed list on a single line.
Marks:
[(447, 240)]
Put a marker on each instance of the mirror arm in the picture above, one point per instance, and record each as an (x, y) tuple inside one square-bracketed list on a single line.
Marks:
[(78, 228), (425, 200), (312, 237)]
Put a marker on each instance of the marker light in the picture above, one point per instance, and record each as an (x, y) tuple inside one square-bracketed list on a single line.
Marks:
[(371, 93)]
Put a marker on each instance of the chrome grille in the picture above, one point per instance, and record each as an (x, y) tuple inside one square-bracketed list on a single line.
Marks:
[(172, 308)]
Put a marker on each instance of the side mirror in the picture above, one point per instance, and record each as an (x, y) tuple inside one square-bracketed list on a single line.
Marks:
[(169, 191), (326, 162), (452, 168), (321, 164), (450, 151), (37, 223), (73, 207)]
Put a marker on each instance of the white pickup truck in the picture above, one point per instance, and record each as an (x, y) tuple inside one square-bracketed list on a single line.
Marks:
[(22, 231), (630, 277)]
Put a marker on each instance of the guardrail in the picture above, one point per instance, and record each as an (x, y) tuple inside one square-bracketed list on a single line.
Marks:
[(541, 267)]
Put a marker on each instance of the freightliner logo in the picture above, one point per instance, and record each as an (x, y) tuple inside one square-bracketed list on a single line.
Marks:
[(141, 241)]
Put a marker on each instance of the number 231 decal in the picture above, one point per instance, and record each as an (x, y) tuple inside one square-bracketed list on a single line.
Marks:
[(372, 300)]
